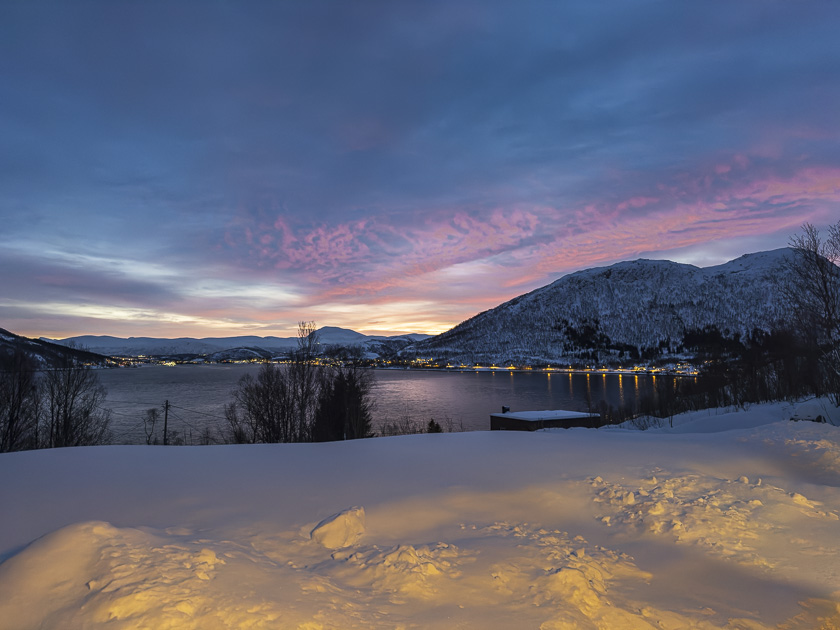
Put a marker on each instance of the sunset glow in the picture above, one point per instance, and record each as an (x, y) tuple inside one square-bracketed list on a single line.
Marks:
[(391, 167)]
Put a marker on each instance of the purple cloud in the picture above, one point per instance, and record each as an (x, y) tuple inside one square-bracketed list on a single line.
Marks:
[(241, 166)]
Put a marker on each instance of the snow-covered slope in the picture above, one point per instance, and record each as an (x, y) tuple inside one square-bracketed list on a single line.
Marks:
[(731, 523), (622, 310), (44, 353)]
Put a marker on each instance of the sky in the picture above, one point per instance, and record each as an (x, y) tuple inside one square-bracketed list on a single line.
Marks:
[(220, 168)]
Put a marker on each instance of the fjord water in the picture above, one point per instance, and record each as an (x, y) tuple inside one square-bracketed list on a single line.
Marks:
[(198, 393)]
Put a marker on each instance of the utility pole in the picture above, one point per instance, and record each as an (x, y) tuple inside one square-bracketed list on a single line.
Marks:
[(165, 421)]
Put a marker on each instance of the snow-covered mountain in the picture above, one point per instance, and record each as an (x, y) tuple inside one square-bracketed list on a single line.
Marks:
[(218, 348), (628, 310), (631, 310)]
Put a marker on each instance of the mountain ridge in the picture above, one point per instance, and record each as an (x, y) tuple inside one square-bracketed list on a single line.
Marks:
[(46, 354), (639, 309), (222, 347)]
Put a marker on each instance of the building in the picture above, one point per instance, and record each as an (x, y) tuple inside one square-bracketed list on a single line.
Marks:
[(533, 420)]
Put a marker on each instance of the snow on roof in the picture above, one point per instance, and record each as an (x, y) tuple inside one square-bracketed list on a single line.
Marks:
[(537, 416)]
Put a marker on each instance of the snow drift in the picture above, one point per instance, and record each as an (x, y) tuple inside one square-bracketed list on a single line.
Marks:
[(727, 521)]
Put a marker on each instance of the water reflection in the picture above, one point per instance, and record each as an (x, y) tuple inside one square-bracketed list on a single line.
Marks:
[(621, 389), (466, 398), (470, 397)]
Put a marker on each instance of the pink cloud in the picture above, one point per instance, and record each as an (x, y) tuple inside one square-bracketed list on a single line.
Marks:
[(756, 207), (636, 202), (382, 258), (355, 251)]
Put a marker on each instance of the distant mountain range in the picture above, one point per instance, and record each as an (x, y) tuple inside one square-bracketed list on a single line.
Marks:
[(634, 310), (630, 311), (237, 348)]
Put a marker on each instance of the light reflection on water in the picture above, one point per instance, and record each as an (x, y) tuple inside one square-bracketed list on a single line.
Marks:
[(198, 394)]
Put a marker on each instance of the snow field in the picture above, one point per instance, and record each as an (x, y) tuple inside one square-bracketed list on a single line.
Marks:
[(557, 530)]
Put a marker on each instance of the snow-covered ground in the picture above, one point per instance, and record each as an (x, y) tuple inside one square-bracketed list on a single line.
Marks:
[(725, 521)]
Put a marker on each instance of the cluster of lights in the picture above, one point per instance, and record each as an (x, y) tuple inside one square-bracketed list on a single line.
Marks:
[(679, 369)]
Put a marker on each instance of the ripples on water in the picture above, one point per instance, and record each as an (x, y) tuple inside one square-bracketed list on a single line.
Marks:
[(198, 393)]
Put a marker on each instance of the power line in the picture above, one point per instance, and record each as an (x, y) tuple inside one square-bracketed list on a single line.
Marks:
[(155, 405), (119, 413), (136, 402), (201, 413)]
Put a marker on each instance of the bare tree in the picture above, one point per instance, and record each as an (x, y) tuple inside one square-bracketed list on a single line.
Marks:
[(19, 403), (305, 380), (279, 404), (73, 413), (264, 408), (402, 425), (149, 421), (813, 295), (240, 430), (303, 401)]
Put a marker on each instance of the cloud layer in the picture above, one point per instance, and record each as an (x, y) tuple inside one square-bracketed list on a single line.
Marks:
[(194, 169)]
